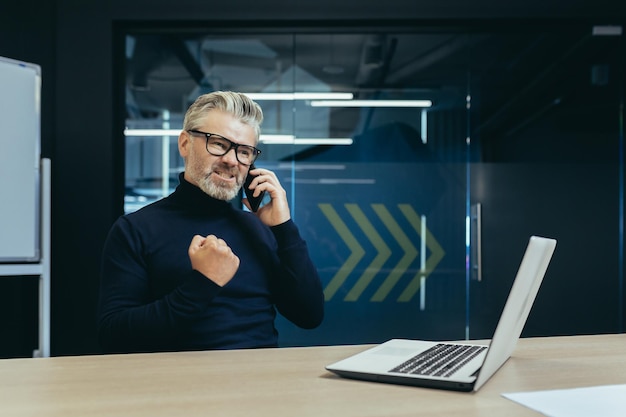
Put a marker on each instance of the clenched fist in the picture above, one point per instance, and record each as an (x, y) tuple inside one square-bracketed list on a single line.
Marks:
[(213, 258)]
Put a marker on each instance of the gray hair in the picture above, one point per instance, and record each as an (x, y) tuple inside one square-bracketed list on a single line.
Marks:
[(242, 107)]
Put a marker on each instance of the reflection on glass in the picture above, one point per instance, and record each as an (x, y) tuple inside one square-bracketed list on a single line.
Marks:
[(382, 193)]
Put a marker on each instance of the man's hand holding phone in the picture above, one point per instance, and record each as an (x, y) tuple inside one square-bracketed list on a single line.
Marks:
[(261, 181)]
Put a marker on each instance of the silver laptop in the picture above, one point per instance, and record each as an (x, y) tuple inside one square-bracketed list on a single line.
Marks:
[(457, 366)]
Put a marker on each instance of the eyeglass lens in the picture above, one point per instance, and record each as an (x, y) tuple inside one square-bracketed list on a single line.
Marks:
[(220, 146)]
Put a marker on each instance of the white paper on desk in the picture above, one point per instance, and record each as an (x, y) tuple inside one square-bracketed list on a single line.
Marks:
[(605, 401)]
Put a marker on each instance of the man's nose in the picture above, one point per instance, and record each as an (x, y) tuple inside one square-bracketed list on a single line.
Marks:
[(231, 156)]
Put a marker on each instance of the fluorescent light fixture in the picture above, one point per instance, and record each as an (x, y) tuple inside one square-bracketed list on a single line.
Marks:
[(300, 96), (265, 139), (152, 132), (305, 165), (322, 141), (336, 181), (424, 126), (276, 139), (291, 140), (371, 103), (607, 31)]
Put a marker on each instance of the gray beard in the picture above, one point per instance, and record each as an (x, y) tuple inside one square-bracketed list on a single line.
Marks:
[(216, 191)]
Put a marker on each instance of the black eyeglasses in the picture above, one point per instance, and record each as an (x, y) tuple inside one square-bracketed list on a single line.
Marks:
[(219, 146)]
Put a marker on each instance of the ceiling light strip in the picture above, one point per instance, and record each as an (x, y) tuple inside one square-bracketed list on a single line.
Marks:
[(152, 132), (300, 96), (371, 103), (304, 141)]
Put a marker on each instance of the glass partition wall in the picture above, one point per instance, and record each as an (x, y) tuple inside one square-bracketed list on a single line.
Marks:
[(395, 148)]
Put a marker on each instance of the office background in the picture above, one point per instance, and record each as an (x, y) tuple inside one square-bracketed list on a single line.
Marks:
[(567, 186)]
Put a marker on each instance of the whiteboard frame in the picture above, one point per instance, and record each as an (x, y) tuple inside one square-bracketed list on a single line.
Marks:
[(20, 181), (33, 257)]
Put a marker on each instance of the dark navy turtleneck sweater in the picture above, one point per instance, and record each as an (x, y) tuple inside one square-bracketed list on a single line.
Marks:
[(151, 299)]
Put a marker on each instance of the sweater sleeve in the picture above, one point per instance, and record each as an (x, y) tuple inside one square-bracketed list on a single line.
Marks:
[(298, 289), (128, 320)]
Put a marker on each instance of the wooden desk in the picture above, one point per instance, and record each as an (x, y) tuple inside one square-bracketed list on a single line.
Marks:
[(287, 382)]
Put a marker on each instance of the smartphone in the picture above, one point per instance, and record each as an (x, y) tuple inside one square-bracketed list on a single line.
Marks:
[(255, 202)]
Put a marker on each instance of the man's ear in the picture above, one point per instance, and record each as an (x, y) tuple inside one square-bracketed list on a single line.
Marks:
[(184, 142)]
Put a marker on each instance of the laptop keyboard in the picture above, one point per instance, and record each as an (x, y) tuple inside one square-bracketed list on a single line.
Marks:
[(440, 360)]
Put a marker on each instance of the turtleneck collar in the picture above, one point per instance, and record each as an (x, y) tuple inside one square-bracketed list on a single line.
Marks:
[(194, 199)]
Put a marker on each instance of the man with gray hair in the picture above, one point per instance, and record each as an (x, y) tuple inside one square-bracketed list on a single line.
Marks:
[(192, 271)]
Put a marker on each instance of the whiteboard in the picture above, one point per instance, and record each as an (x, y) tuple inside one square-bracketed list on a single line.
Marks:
[(20, 144)]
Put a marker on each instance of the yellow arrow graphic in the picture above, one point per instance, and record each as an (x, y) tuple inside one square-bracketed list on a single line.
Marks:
[(383, 253), (357, 251), (436, 253), (410, 253)]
